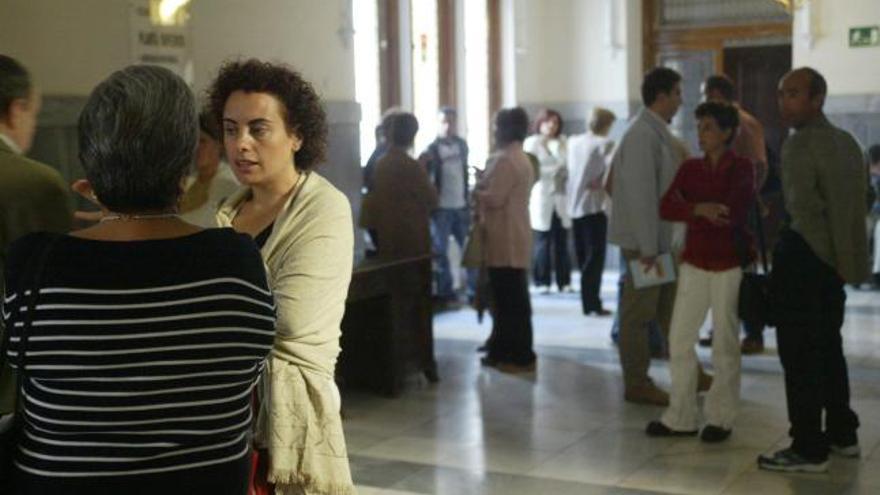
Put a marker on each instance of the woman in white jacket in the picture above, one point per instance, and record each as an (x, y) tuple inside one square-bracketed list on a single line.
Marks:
[(547, 204)]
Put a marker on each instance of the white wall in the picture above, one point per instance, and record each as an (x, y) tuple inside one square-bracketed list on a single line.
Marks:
[(308, 34), (849, 71), (574, 54), (70, 46)]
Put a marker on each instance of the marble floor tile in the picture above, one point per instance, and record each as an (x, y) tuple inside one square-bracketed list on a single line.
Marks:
[(454, 481), (566, 430), (698, 473)]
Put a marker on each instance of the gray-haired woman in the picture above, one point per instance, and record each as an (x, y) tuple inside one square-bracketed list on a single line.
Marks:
[(142, 337)]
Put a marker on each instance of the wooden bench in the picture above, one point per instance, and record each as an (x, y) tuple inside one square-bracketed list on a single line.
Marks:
[(387, 330)]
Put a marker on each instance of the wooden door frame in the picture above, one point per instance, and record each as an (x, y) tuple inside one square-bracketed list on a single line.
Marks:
[(389, 54), (447, 17), (657, 39), (390, 77), (496, 90)]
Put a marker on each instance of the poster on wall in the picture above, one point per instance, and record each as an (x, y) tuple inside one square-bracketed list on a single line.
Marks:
[(153, 43)]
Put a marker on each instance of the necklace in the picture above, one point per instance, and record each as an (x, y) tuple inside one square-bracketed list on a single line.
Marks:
[(128, 217)]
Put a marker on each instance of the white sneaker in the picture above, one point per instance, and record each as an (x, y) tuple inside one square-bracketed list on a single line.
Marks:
[(544, 289), (850, 451)]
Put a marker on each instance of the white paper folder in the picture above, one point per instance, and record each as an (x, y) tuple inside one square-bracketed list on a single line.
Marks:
[(663, 272)]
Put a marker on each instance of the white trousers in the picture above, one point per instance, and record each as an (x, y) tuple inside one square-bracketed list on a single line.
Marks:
[(876, 267), (698, 292)]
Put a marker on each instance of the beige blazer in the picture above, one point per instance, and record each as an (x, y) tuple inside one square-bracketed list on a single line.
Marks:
[(503, 202)]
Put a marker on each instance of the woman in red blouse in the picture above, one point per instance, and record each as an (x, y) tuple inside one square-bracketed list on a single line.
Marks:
[(712, 194)]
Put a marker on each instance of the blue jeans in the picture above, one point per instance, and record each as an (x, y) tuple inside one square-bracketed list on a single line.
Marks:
[(447, 222)]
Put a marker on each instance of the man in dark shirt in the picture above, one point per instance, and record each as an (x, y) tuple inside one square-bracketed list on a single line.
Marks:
[(446, 160), (824, 183)]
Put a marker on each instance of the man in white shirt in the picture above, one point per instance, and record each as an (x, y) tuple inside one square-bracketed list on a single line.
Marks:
[(587, 162)]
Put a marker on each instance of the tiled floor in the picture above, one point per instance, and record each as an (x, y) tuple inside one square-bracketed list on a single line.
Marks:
[(565, 430)]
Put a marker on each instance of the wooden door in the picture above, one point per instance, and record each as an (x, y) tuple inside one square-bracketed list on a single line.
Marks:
[(756, 71)]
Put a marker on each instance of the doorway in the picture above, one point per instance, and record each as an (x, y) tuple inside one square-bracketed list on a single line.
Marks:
[(756, 71)]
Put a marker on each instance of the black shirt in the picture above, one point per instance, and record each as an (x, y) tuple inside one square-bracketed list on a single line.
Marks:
[(141, 360)]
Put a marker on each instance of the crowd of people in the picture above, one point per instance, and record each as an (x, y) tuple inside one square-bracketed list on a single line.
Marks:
[(148, 350), (709, 217)]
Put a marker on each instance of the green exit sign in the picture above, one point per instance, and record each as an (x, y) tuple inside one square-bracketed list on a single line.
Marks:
[(864, 36)]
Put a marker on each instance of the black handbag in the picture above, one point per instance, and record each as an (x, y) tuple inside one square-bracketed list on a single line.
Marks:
[(754, 289), (9, 438)]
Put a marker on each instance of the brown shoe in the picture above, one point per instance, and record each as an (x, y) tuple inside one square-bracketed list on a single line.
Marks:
[(506, 367), (752, 346), (648, 394), (704, 381)]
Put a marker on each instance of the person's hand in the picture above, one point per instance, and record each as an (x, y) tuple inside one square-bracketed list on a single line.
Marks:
[(715, 213), (84, 189), (648, 263)]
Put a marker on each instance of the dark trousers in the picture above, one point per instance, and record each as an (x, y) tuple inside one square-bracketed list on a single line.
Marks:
[(809, 302), (551, 253), (511, 340), (228, 478), (590, 244)]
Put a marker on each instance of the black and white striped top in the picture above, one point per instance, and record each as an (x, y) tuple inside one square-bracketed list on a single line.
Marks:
[(143, 355)]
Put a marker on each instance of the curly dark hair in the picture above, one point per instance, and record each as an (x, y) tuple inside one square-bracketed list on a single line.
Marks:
[(725, 116), (303, 112)]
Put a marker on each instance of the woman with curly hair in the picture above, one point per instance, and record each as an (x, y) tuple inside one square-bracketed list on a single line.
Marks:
[(275, 134)]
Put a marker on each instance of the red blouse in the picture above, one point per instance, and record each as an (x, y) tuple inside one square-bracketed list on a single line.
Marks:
[(731, 182)]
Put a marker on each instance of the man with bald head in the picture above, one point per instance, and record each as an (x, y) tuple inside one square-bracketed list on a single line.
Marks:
[(824, 246)]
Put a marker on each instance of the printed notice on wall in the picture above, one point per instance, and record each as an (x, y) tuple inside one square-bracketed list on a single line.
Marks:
[(154, 44)]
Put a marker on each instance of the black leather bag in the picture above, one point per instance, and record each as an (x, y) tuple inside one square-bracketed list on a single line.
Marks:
[(754, 289), (9, 438)]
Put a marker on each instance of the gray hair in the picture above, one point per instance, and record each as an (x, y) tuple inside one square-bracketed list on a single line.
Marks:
[(137, 138), (15, 83)]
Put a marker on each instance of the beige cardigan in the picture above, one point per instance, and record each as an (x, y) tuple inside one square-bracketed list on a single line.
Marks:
[(309, 258)]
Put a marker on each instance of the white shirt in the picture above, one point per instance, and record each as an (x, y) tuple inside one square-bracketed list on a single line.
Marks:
[(452, 195), (9, 142), (587, 163), (545, 197)]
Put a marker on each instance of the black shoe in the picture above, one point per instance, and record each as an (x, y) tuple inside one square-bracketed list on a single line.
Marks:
[(658, 429), (714, 434), (790, 461), (598, 312)]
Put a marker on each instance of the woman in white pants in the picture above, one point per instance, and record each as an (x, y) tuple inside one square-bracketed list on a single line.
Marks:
[(712, 194)]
